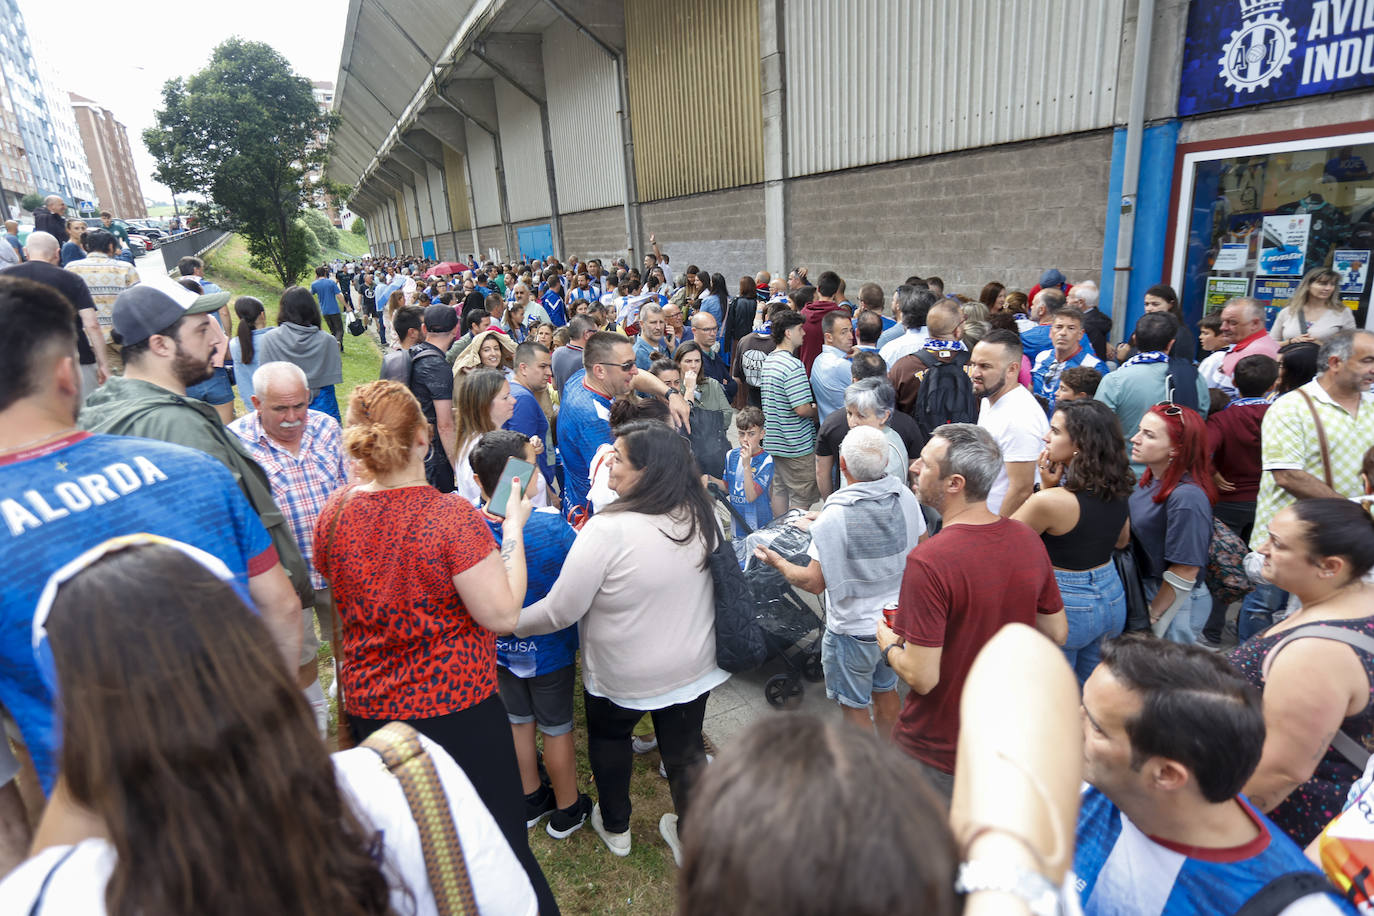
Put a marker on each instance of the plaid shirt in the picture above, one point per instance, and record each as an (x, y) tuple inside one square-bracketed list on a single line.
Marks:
[(300, 483)]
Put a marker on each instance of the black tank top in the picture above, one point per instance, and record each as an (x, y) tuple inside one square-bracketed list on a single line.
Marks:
[(1089, 544)]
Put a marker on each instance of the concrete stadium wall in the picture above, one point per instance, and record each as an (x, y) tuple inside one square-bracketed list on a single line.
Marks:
[(721, 231), (1002, 213)]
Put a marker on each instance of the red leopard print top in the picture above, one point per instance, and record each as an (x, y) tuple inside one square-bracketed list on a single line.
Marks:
[(410, 648)]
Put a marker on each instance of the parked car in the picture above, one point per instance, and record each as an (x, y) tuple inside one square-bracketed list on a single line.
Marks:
[(139, 244)]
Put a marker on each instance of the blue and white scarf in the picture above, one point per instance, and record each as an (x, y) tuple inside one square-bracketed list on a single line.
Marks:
[(1246, 402), (1147, 358)]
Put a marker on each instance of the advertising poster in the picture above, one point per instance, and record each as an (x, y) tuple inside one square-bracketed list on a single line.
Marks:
[(1275, 295), (1232, 256), (1221, 290), (1283, 246), (1353, 266), (1259, 51)]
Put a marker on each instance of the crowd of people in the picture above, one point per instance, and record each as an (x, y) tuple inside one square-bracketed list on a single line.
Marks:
[(994, 490)]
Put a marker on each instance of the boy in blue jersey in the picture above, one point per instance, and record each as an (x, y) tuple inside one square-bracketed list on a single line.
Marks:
[(749, 473), (1171, 733), (535, 674)]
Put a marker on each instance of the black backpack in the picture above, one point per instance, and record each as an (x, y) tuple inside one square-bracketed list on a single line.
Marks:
[(946, 394), (396, 365)]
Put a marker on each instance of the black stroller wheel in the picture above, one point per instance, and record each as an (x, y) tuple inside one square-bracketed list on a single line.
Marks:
[(782, 690), (811, 667)]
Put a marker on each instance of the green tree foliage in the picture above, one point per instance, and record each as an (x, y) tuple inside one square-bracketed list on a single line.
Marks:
[(31, 201), (240, 133), (359, 227), (320, 225), (310, 242)]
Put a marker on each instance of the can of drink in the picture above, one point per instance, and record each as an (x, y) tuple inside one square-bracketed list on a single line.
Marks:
[(890, 613)]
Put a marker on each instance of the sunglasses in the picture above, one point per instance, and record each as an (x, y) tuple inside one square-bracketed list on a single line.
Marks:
[(1170, 408), (627, 366)]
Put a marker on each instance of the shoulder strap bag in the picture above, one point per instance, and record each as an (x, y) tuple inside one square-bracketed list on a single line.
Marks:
[(405, 756), (344, 732), (1344, 744), (1321, 438)]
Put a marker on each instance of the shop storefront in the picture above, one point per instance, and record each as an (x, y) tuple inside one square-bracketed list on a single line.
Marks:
[(1251, 215)]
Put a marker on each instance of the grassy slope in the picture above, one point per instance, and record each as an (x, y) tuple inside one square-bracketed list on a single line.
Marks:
[(585, 877), (228, 266)]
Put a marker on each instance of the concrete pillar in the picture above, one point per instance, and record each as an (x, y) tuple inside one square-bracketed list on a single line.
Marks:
[(775, 158)]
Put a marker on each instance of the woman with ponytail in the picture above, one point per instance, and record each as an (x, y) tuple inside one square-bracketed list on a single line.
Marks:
[(1318, 687), (1171, 516), (421, 594), (243, 349)]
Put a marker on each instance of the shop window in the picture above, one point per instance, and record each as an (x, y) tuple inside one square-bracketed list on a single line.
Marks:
[(1258, 219)]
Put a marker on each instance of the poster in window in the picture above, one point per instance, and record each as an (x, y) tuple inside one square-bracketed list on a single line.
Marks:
[(1232, 256), (1221, 290), (1283, 247), (1353, 266)]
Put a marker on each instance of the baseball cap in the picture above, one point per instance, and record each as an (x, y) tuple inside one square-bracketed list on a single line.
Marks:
[(440, 319), (153, 306)]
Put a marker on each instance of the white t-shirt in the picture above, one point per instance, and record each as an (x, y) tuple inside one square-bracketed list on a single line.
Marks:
[(1019, 425), (499, 882)]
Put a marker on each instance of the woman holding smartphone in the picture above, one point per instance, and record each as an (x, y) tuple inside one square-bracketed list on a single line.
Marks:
[(639, 653)]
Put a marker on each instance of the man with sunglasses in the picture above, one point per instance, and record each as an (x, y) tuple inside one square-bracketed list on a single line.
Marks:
[(63, 491), (584, 416)]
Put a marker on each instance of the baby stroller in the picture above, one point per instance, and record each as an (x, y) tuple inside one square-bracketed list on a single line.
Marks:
[(784, 617)]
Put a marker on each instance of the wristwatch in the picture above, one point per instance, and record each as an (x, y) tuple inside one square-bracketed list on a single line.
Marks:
[(1042, 898), (891, 646)]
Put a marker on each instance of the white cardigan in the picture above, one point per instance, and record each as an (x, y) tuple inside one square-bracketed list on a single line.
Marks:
[(646, 607)]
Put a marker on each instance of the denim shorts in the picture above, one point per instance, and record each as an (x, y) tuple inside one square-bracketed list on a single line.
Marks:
[(214, 390), (854, 669), (545, 699)]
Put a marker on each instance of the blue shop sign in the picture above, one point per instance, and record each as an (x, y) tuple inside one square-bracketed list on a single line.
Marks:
[(1248, 52)]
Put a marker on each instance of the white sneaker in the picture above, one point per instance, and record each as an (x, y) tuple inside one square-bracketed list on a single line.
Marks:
[(643, 745), (617, 843), (667, 828), (663, 769)]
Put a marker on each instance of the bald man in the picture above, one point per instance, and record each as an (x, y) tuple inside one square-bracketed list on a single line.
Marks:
[(51, 218), (43, 254)]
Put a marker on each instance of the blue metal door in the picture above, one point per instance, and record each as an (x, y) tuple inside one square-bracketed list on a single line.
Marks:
[(535, 241), (428, 247)]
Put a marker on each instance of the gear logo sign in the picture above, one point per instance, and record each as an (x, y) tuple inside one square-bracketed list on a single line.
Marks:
[(1258, 51)]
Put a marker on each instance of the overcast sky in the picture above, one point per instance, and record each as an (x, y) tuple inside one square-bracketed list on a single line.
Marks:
[(120, 55)]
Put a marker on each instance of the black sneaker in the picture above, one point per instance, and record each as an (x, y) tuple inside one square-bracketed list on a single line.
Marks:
[(538, 805), (567, 821)]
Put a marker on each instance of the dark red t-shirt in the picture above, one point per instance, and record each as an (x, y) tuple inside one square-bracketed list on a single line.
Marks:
[(1233, 438), (410, 648), (961, 587)]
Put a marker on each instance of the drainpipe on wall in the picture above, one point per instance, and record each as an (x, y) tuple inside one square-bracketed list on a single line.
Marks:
[(1130, 172)]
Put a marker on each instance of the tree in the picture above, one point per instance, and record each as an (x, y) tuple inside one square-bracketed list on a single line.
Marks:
[(359, 227), (243, 132), (324, 230), (31, 201)]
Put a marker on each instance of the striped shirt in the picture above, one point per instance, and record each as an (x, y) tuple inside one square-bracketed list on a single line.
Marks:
[(1121, 871), (783, 386), (301, 483)]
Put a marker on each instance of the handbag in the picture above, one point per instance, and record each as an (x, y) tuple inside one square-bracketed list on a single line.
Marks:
[(1226, 576), (356, 326), (1128, 568), (739, 637), (405, 756)]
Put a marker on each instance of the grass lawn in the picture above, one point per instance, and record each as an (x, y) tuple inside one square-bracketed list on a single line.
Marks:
[(228, 266), (585, 877)]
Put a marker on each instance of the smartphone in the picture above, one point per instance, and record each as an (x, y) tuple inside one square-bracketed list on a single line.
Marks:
[(515, 467)]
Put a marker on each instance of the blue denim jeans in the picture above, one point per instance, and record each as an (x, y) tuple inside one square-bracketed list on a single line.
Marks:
[(1257, 609), (1095, 605), (1192, 617)]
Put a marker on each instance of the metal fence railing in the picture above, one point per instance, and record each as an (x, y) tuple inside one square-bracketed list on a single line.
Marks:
[(196, 242)]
